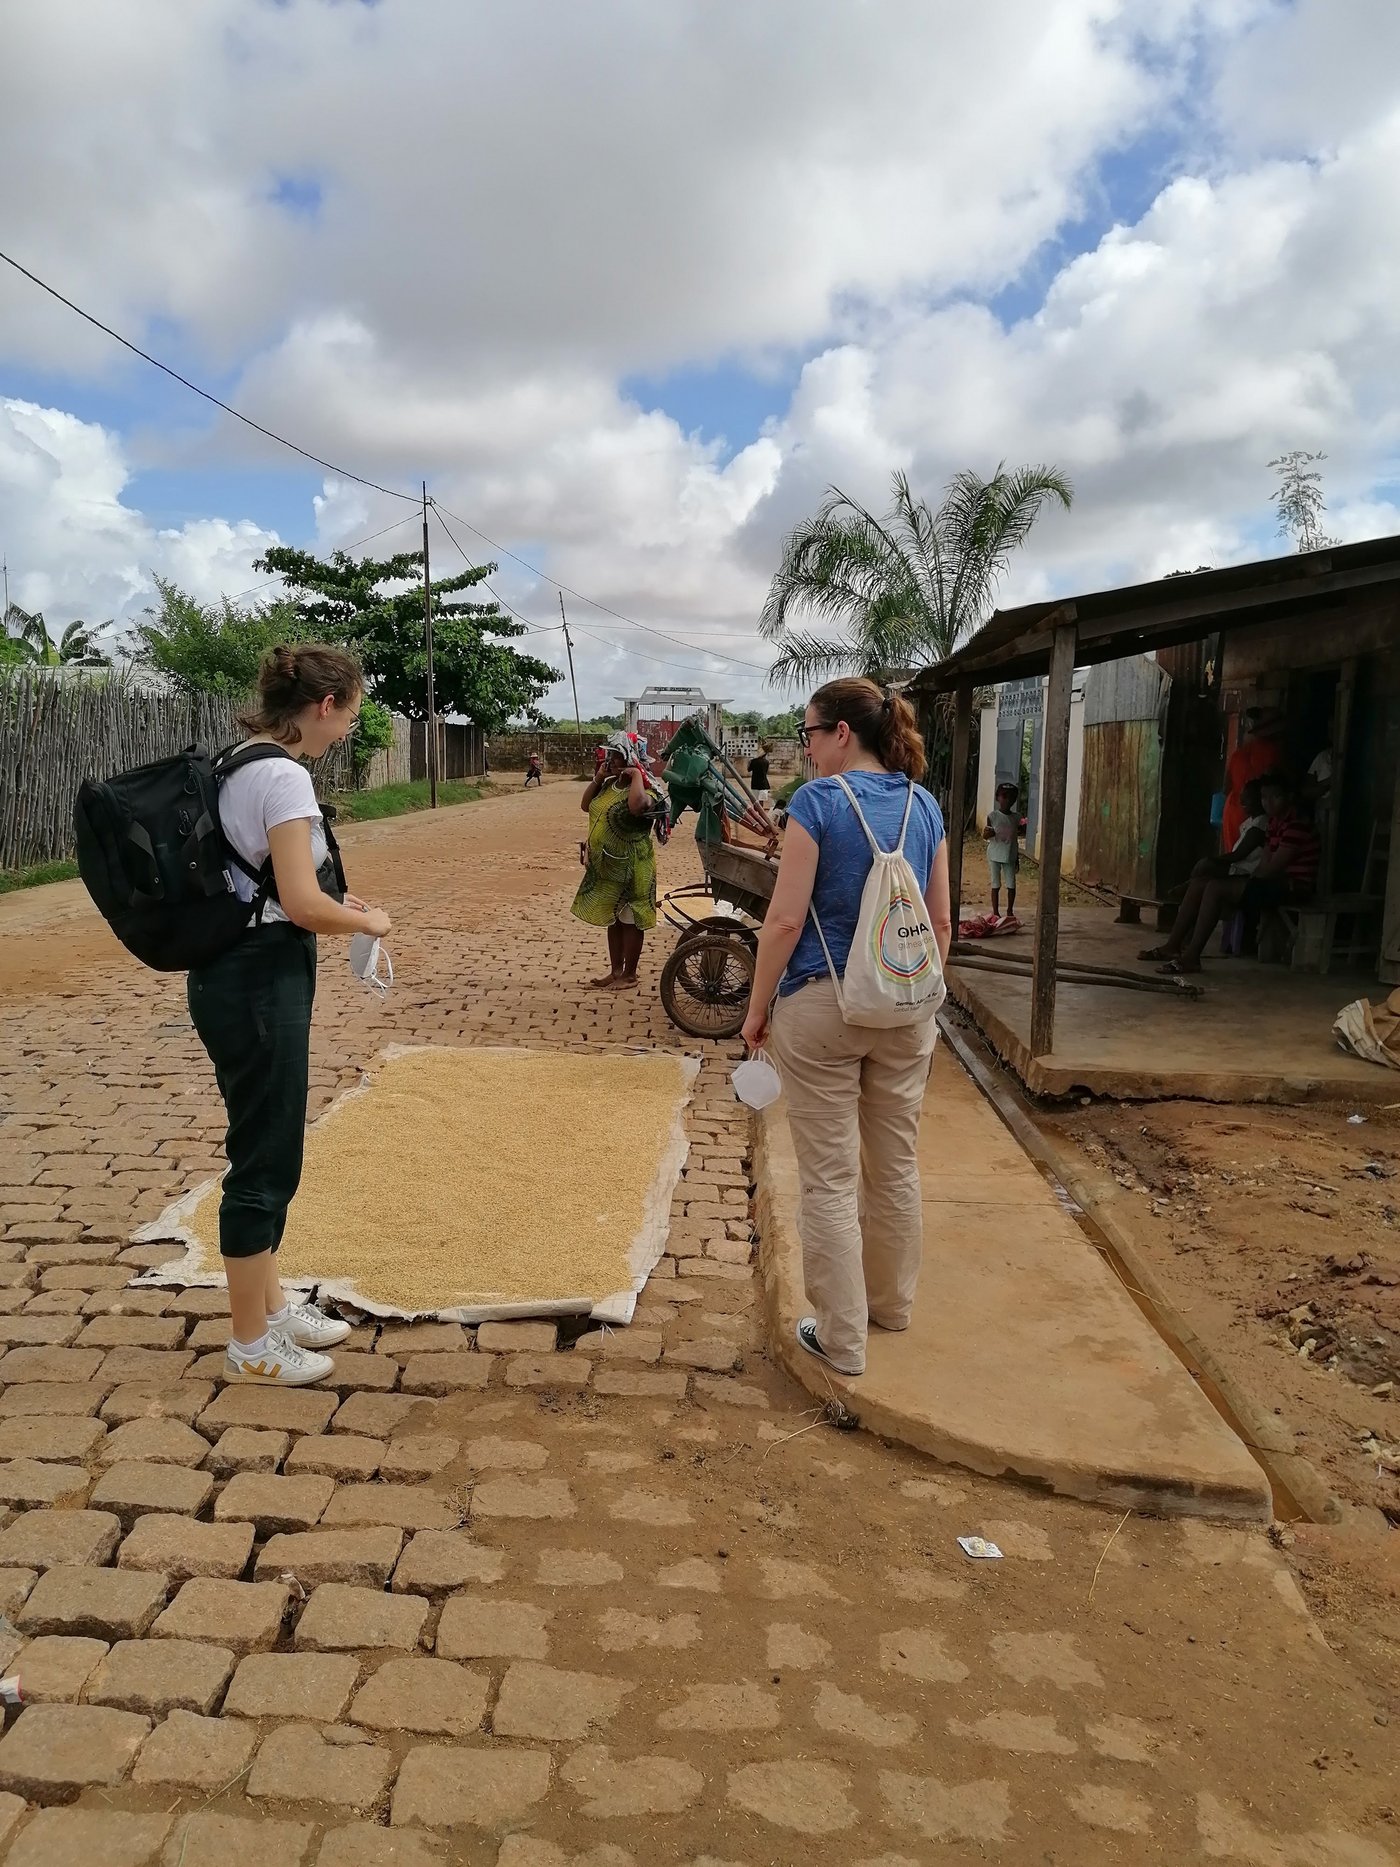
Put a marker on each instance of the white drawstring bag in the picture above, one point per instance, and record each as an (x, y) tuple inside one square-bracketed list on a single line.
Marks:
[(756, 1083), (366, 956), (894, 972)]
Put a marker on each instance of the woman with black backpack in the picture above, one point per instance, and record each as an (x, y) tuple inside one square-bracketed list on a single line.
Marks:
[(252, 1004)]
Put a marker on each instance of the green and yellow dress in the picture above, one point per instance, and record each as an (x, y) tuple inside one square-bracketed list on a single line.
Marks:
[(619, 882)]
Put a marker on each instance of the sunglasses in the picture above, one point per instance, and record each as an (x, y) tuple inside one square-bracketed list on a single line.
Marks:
[(804, 734)]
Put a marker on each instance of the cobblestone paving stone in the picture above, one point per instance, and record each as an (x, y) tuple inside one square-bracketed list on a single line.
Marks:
[(510, 1599)]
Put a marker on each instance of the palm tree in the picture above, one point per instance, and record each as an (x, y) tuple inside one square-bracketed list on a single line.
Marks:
[(904, 591), (79, 645), (27, 630)]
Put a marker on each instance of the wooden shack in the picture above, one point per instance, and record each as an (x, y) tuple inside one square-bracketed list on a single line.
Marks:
[(1314, 637)]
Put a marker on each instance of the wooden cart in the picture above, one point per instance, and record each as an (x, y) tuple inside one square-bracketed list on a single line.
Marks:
[(705, 984)]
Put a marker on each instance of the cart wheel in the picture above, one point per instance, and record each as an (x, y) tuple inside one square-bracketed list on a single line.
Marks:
[(705, 985)]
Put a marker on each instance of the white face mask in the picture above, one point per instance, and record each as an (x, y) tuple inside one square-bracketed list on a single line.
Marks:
[(756, 1082), (366, 957)]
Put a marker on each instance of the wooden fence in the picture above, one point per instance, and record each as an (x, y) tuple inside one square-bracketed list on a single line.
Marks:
[(56, 730)]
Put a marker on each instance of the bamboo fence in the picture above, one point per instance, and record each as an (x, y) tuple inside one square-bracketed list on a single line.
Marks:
[(56, 730)]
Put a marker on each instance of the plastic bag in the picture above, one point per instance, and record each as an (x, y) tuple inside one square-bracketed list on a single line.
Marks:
[(756, 1083)]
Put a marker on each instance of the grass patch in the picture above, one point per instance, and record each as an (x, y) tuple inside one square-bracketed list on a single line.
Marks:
[(11, 879), (785, 793), (393, 800)]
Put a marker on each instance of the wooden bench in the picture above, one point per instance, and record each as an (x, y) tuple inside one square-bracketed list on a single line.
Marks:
[(1130, 911), (1308, 932)]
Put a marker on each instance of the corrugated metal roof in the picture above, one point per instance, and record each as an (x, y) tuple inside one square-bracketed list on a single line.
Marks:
[(1114, 623)]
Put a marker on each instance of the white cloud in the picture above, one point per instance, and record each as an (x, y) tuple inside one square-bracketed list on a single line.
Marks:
[(522, 207), (85, 552)]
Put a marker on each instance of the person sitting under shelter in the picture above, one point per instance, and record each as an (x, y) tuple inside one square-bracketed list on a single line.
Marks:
[(1286, 874), (1257, 753)]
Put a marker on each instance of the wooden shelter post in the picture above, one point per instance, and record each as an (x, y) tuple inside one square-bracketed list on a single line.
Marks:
[(1054, 788), (956, 821)]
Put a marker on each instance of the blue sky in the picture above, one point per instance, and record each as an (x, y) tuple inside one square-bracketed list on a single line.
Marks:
[(817, 277)]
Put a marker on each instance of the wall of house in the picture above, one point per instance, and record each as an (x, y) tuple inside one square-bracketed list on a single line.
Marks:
[(1257, 662), (999, 753), (1120, 804), (987, 779)]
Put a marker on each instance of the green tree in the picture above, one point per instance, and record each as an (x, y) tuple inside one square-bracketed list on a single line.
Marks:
[(27, 637), (346, 599), (903, 591), (211, 648), (374, 733), (79, 646), (1298, 500)]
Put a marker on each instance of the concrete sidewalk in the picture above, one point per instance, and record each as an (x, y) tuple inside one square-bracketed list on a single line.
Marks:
[(1026, 1357)]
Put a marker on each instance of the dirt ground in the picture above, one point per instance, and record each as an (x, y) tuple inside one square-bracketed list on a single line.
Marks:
[(712, 1630), (1277, 1232)]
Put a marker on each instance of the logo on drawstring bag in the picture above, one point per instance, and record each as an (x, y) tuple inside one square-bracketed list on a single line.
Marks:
[(894, 972)]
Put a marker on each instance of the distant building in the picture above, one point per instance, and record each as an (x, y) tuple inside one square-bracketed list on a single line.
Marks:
[(656, 712)]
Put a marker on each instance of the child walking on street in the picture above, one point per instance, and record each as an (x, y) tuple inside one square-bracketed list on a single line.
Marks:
[(1001, 831)]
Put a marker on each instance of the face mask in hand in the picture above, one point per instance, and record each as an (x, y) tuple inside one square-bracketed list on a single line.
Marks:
[(366, 955), (756, 1082)]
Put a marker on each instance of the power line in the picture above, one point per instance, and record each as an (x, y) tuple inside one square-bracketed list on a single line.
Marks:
[(354, 545), (390, 492), (558, 628), (530, 627), (624, 648), (568, 589), (247, 420)]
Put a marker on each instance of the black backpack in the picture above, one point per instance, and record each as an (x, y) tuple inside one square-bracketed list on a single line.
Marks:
[(153, 857)]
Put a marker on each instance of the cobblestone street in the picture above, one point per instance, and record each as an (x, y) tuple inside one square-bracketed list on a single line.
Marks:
[(502, 1599)]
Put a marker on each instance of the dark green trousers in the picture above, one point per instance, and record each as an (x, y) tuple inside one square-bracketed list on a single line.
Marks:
[(252, 1010)]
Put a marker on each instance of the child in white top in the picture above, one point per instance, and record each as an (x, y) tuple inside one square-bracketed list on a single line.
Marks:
[(1000, 831)]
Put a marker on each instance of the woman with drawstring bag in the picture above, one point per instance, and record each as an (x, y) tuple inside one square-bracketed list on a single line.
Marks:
[(848, 978)]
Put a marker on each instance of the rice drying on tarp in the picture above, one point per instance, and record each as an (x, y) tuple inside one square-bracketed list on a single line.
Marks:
[(472, 1184)]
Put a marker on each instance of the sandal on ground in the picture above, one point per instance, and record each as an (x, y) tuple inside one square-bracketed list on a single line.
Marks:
[(1156, 952), (1178, 969)]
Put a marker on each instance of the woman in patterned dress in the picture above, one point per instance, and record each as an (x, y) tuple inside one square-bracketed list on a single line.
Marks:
[(618, 890)]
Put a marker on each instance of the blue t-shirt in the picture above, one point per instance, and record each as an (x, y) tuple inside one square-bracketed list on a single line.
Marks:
[(843, 861)]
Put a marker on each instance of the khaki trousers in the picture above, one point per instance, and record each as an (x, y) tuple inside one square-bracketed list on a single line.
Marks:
[(854, 1096)]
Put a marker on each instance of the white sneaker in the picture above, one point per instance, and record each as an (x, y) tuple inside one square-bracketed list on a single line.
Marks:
[(281, 1364), (308, 1327)]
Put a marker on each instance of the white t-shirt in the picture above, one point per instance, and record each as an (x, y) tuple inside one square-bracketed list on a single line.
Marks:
[(1321, 768), (255, 800), (1002, 846), (1247, 865)]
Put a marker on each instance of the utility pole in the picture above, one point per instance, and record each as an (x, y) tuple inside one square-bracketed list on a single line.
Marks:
[(428, 642), (568, 644)]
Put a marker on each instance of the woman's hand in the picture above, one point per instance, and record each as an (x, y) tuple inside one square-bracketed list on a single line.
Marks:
[(354, 901), (377, 922), (755, 1032)]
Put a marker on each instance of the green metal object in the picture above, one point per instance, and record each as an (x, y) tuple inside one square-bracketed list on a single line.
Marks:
[(694, 774)]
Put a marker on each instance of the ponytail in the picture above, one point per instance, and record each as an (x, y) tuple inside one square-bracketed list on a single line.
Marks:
[(291, 679), (882, 721)]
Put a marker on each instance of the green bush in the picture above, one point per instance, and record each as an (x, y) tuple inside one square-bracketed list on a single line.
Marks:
[(375, 733)]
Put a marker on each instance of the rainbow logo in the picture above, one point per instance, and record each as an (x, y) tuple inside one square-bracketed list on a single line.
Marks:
[(905, 957)]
